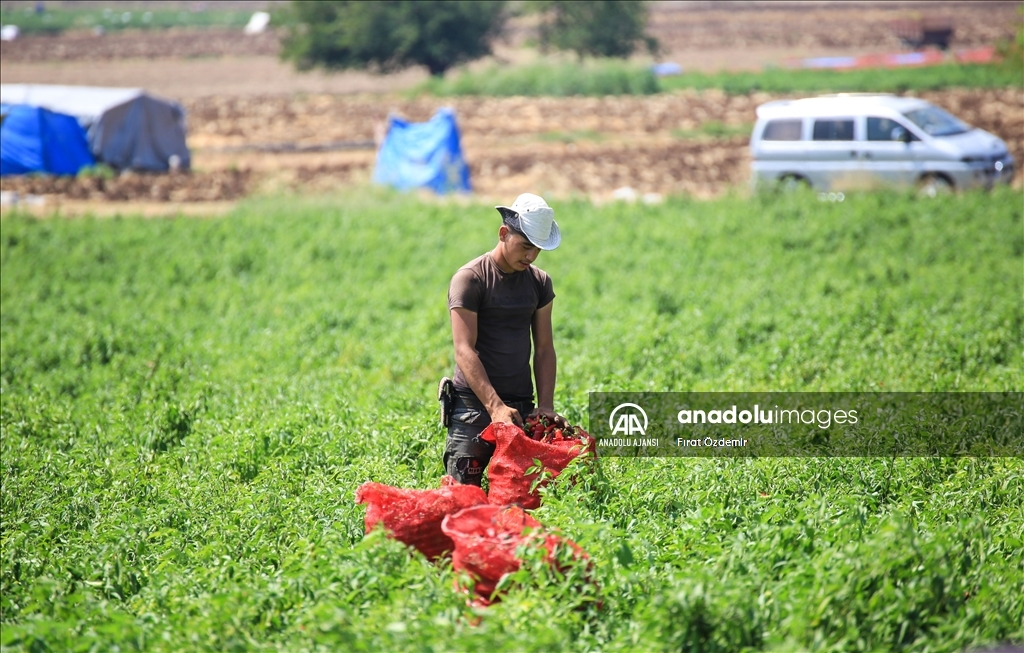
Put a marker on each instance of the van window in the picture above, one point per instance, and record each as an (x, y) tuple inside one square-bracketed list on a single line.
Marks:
[(782, 130), (833, 130), (936, 122), (885, 129)]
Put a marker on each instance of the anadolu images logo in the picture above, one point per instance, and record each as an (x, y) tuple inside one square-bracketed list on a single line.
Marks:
[(628, 422)]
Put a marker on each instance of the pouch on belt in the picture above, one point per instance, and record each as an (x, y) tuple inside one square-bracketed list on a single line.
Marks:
[(446, 397)]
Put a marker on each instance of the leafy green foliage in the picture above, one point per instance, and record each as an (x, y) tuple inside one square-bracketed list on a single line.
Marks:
[(389, 36), (604, 77), (57, 17), (868, 80), (1011, 51), (98, 171), (187, 407), (571, 136), (592, 77), (714, 129), (605, 28)]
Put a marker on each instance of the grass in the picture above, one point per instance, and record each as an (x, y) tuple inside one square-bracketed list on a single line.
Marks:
[(778, 80), (571, 136), (57, 18), (714, 129), (187, 407), (603, 77)]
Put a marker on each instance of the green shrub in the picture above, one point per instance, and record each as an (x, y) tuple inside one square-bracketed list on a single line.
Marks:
[(389, 36), (100, 171), (613, 77), (596, 28), (593, 77), (778, 80)]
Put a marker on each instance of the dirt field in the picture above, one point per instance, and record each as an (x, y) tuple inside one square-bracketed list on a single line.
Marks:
[(243, 104), (704, 36), (745, 29), (559, 147), (682, 26)]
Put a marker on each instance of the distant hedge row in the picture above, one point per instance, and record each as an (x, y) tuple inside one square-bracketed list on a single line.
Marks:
[(614, 77)]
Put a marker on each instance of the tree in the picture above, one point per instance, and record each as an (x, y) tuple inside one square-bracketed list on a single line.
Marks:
[(389, 36), (611, 28)]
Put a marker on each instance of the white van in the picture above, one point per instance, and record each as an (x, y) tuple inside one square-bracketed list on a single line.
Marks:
[(851, 141)]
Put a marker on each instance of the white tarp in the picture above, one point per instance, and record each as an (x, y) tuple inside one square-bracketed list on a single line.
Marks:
[(257, 23), (126, 127)]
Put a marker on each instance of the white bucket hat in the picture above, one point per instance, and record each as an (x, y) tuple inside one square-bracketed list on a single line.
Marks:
[(531, 215)]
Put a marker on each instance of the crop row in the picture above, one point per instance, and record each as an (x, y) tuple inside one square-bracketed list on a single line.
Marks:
[(188, 406)]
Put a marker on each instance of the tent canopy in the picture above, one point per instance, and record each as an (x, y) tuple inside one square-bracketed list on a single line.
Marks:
[(423, 155), (87, 103), (37, 140), (126, 128)]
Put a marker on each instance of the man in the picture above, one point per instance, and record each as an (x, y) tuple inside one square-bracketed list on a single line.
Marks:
[(497, 302)]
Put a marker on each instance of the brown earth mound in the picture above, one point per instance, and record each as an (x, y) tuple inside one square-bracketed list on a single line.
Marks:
[(710, 25), (80, 45), (181, 187), (225, 121)]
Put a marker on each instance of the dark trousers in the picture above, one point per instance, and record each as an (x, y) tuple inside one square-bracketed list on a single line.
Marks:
[(465, 454)]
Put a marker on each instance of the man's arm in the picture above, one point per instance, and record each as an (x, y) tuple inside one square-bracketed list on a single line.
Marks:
[(545, 365), (464, 334)]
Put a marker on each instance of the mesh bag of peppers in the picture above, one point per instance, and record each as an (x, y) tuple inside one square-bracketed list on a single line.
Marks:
[(414, 516), (486, 540), (516, 450)]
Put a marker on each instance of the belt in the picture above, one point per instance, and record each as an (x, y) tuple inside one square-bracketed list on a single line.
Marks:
[(470, 396)]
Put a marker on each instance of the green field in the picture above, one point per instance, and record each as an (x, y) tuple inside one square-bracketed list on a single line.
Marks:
[(188, 406), (614, 77), (56, 19)]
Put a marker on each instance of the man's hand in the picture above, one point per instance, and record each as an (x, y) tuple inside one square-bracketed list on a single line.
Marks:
[(506, 415), (552, 416)]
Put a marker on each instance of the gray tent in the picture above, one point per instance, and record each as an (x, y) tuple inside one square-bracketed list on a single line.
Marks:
[(125, 127)]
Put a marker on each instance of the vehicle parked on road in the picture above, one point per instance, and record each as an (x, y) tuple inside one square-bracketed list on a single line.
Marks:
[(852, 141)]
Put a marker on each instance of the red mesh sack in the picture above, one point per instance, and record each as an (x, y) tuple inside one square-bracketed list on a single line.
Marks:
[(486, 538), (414, 516), (514, 453)]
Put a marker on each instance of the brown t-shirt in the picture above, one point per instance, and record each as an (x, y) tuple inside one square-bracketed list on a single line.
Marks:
[(504, 303)]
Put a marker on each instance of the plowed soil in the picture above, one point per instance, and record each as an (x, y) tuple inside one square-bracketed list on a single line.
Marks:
[(255, 125), (209, 186), (84, 45), (557, 146), (705, 25), (679, 27)]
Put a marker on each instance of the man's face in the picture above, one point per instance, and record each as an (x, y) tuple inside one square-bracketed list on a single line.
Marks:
[(519, 252)]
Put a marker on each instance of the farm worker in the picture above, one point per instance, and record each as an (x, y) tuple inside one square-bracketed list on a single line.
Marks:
[(497, 302)]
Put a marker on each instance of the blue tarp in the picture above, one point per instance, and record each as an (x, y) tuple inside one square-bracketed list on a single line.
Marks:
[(667, 69), (125, 127), (423, 155), (33, 139)]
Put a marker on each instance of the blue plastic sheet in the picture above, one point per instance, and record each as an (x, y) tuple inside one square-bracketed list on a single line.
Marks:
[(423, 155), (33, 139), (667, 69), (125, 128)]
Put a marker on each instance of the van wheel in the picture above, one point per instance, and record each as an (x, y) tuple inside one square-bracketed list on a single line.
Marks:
[(933, 186), (790, 183)]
